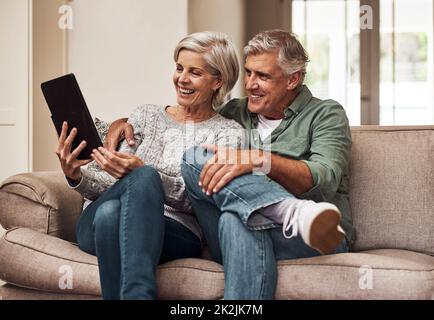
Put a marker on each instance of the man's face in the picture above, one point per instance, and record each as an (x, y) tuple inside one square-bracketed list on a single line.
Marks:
[(267, 86)]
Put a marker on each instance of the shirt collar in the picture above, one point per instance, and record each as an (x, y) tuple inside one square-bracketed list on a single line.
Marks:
[(300, 101)]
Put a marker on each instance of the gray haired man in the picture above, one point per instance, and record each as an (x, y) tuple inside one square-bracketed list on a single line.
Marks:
[(299, 206)]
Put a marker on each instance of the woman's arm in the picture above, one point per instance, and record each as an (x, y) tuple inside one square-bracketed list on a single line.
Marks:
[(118, 164), (100, 175), (93, 182), (90, 182)]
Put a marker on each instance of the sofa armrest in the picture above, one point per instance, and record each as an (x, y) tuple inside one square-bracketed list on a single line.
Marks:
[(41, 201)]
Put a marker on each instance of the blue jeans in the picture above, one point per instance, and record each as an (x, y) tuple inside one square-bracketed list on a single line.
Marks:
[(247, 245), (127, 230)]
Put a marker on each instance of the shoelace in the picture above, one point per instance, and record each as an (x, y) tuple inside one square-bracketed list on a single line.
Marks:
[(290, 220)]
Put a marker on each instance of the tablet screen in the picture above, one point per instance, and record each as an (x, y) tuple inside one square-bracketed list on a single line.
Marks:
[(66, 103)]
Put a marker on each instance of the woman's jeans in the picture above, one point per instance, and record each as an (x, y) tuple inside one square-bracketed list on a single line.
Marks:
[(249, 254), (127, 230)]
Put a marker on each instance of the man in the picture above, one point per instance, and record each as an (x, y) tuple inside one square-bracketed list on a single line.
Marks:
[(302, 146)]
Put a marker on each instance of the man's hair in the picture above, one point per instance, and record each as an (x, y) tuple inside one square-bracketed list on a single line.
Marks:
[(292, 56), (220, 56)]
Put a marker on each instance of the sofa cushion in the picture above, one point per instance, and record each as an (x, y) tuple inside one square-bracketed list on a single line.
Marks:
[(39, 263), (43, 262), (11, 292), (46, 263), (392, 188), (41, 201), (374, 274)]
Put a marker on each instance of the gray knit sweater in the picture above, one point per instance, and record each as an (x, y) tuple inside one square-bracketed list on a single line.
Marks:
[(160, 143)]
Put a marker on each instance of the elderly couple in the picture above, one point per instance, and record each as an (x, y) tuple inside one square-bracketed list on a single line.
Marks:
[(163, 191)]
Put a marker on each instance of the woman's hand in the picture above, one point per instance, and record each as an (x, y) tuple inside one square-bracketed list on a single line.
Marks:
[(68, 160), (118, 130), (117, 164)]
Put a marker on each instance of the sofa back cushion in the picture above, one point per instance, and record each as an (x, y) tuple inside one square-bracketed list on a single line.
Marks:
[(392, 188)]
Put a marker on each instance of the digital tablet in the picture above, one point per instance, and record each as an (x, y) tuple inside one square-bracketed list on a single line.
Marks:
[(66, 103)]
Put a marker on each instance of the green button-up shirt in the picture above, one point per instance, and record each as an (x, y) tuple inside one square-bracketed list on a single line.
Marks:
[(314, 131)]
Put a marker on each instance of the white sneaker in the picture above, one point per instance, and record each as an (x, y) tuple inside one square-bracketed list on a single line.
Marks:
[(317, 223)]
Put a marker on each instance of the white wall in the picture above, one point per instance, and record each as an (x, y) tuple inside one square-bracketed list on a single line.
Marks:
[(15, 91), (121, 52), (227, 16)]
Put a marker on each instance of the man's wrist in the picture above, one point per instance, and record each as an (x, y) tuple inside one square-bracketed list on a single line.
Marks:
[(257, 158), (261, 161)]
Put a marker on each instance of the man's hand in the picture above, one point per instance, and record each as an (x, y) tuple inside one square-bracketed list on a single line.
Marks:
[(68, 160), (225, 165), (116, 164), (119, 130)]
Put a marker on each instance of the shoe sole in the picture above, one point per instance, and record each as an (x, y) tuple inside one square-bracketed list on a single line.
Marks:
[(324, 233)]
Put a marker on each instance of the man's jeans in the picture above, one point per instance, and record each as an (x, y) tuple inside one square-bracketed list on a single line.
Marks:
[(248, 254), (127, 230)]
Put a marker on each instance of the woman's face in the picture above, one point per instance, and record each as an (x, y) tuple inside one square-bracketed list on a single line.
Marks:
[(194, 84)]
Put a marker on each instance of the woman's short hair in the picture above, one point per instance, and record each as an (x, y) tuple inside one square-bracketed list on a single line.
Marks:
[(220, 56), (292, 56)]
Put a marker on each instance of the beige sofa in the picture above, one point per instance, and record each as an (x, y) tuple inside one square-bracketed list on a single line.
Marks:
[(392, 200)]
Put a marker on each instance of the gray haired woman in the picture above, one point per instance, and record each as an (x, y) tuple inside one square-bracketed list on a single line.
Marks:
[(138, 213)]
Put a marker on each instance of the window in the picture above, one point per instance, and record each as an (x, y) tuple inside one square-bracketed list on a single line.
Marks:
[(406, 57), (330, 32), (333, 47)]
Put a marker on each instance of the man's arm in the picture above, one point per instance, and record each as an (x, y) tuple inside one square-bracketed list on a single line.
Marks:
[(330, 150), (227, 164), (119, 129), (293, 175)]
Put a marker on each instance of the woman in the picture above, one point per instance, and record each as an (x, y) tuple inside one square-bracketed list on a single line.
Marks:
[(145, 218)]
